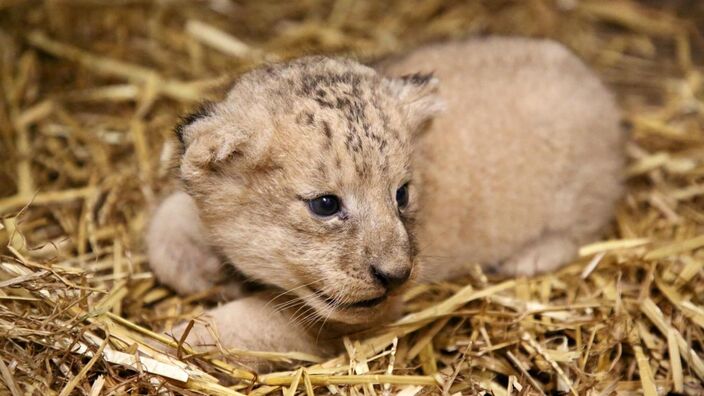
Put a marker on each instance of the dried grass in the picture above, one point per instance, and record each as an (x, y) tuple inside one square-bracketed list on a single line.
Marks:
[(92, 88)]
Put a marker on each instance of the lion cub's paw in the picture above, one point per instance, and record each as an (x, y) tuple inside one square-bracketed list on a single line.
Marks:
[(178, 253), (545, 254)]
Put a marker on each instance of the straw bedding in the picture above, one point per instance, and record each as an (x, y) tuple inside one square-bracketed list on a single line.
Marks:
[(92, 88)]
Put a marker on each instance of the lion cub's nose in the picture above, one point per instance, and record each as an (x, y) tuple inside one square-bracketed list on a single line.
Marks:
[(390, 279)]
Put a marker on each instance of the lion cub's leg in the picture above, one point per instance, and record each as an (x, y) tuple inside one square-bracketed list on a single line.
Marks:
[(546, 253), (254, 323), (178, 253)]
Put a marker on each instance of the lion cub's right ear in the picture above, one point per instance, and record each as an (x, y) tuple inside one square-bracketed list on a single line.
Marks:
[(214, 135), (418, 94)]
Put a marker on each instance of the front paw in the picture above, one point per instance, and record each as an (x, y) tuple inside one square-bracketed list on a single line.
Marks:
[(179, 254), (546, 254), (183, 267)]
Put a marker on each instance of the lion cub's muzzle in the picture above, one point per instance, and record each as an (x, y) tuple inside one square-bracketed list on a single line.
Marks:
[(389, 279)]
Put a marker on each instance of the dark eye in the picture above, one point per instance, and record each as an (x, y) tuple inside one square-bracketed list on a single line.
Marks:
[(402, 196), (324, 206)]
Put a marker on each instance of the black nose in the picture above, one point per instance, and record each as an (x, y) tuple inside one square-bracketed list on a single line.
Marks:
[(390, 279)]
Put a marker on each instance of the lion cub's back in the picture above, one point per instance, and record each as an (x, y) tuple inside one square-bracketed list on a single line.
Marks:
[(530, 144)]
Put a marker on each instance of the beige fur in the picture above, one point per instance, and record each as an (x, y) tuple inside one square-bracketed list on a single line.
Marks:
[(521, 167)]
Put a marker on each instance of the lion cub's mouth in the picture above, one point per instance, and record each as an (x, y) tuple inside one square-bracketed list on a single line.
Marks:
[(331, 301)]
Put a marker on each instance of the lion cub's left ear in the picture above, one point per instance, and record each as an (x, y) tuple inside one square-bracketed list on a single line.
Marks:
[(418, 94)]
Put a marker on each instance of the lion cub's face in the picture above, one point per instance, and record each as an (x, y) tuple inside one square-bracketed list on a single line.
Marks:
[(303, 179)]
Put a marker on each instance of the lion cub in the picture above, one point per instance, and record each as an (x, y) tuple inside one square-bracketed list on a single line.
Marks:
[(333, 184)]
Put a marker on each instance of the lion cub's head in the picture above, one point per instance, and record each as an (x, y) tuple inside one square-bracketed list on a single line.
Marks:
[(303, 178)]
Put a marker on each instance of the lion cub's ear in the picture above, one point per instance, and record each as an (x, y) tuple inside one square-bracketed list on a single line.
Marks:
[(418, 94), (214, 135)]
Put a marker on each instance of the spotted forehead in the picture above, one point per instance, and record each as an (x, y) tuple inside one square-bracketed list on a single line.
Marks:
[(357, 122)]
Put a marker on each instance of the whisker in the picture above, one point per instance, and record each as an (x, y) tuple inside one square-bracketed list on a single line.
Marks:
[(293, 302), (284, 304), (289, 304), (309, 310), (322, 325), (335, 302), (292, 290), (297, 318)]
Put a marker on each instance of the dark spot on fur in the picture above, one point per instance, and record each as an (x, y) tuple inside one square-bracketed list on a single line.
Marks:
[(353, 142), (362, 167), (324, 103), (321, 97), (308, 84), (417, 78), (353, 109), (322, 170), (348, 141), (271, 70), (305, 118), (326, 130), (342, 103), (382, 146), (314, 86)]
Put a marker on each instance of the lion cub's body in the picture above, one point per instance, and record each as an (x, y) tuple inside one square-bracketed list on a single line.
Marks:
[(523, 166), (520, 168)]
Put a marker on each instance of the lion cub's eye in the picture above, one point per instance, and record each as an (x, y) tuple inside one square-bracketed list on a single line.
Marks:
[(402, 196), (326, 205)]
